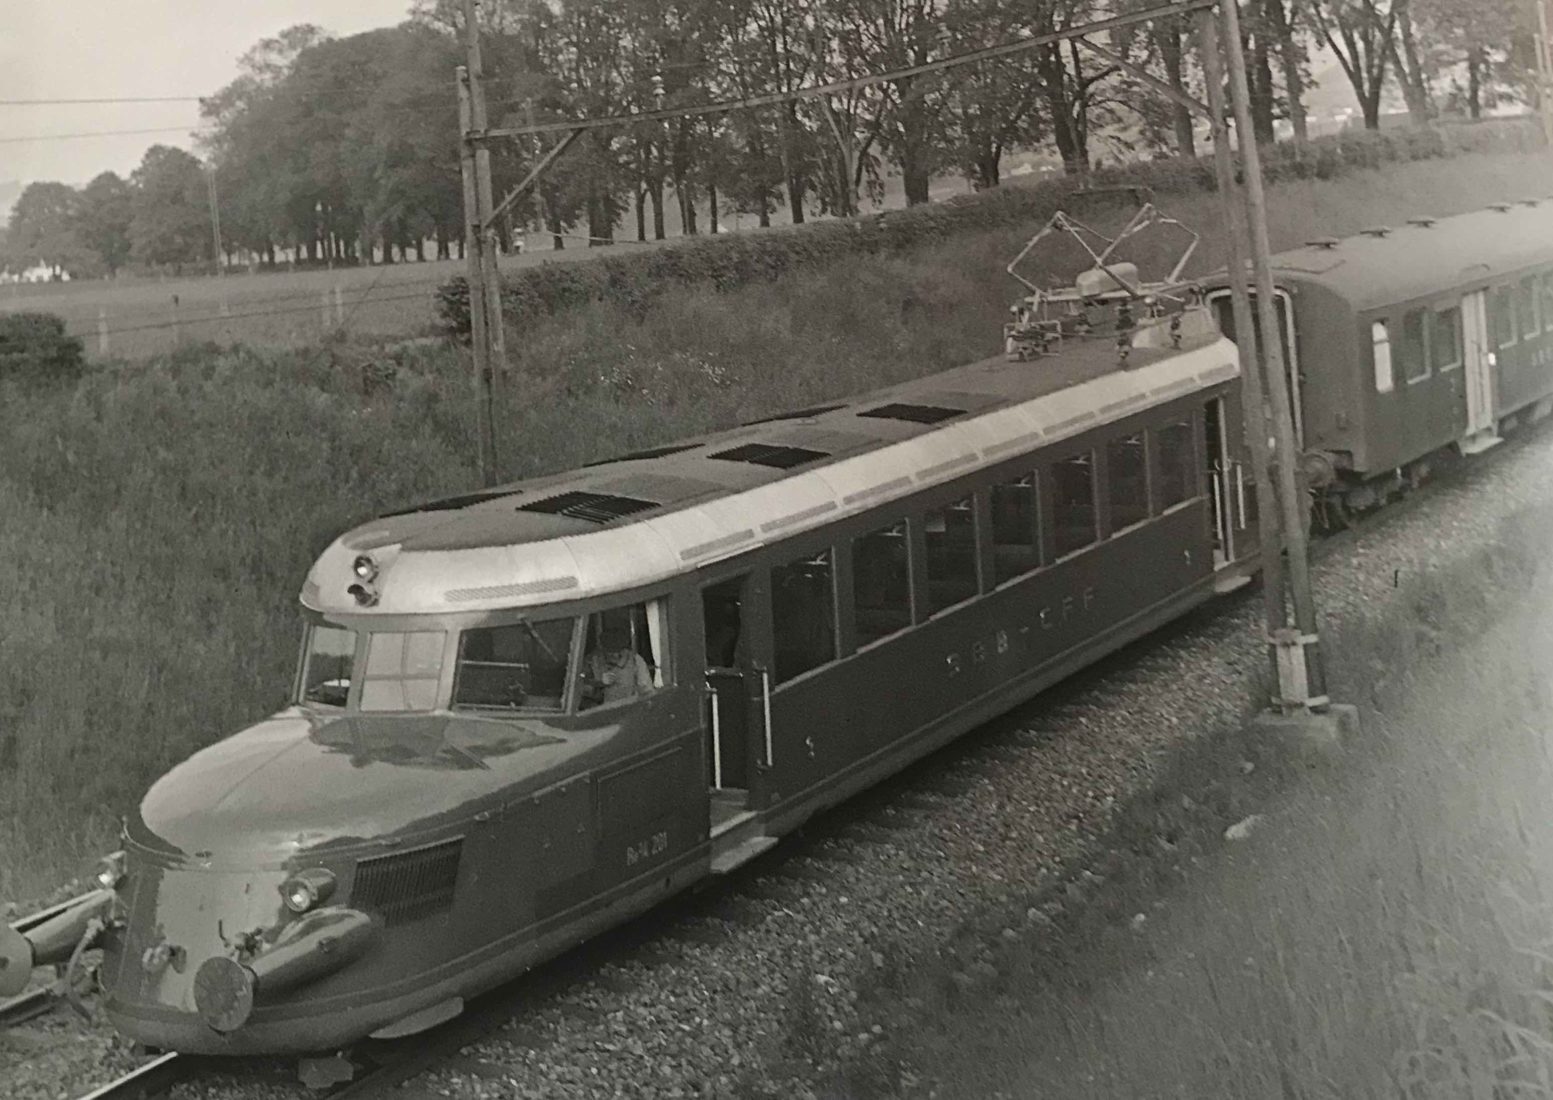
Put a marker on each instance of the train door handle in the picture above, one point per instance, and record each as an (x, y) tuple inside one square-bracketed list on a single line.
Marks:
[(765, 699)]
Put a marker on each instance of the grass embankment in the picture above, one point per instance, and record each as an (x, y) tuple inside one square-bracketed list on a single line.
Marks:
[(158, 520), (1386, 931)]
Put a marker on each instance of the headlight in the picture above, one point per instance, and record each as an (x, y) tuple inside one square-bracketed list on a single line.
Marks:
[(110, 871), (364, 568), (308, 889)]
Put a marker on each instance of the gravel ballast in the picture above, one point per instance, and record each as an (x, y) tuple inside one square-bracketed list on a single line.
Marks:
[(754, 989)]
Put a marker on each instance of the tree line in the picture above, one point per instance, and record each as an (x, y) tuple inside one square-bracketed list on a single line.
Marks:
[(345, 150)]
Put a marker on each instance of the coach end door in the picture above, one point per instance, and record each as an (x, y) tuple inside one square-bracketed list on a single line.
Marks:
[(1477, 349), (737, 698)]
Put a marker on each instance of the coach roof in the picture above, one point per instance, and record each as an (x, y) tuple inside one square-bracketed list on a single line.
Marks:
[(619, 524), (1424, 257)]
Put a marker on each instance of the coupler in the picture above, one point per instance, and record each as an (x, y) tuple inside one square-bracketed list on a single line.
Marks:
[(226, 989), (50, 942)]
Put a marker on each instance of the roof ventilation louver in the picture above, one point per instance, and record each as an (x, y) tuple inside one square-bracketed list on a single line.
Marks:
[(1326, 243), (448, 504), (1376, 231), (770, 454), (651, 452), (916, 414), (1422, 223), (592, 507), (800, 414)]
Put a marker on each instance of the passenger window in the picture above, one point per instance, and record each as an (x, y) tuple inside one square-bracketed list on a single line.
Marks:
[(1380, 341), (1016, 539), (803, 615), (1073, 503), (1177, 464), (1529, 311), (950, 537), (1415, 365), (1502, 316), (1445, 338), (521, 666), (402, 670), (881, 583), (623, 654), (1547, 301), (1127, 477)]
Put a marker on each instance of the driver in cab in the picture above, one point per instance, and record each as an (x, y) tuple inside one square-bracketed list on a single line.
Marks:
[(614, 670)]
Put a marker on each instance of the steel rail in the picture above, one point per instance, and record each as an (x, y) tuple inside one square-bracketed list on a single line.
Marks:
[(156, 1077)]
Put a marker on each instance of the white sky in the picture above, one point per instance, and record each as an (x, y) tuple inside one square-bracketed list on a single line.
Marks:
[(101, 48)]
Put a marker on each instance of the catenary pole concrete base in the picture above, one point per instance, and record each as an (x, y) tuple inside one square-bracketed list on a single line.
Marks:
[(1306, 735)]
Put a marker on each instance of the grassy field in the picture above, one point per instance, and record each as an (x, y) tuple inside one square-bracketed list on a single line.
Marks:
[(160, 517)]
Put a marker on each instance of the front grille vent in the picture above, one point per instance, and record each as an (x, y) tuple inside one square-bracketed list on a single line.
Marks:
[(916, 414), (775, 455), (592, 507), (408, 886)]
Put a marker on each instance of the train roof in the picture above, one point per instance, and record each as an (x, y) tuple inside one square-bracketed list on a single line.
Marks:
[(640, 518), (1424, 257)]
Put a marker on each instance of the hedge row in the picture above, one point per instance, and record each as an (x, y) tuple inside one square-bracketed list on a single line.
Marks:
[(724, 262)]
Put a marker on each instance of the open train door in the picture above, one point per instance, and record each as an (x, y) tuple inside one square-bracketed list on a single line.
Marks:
[(1235, 534), (1478, 351)]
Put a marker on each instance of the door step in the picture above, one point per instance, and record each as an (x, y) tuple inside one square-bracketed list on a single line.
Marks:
[(741, 853), (1225, 583), (1482, 441)]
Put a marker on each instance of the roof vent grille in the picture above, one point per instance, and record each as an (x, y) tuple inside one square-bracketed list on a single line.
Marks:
[(1422, 223), (770, 454), (1326, 243), (1376, 231), (593, 507), (916, 414)]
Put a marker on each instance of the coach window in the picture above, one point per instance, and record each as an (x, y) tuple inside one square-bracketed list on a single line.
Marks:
[(881, 583), (1380, 342), (1529, 308), (1445, 338), (521, 666), (1547, 301), (1016, 536), (1502, 316), (1073, 503), (623, 654), (1177, 479), (949, 535), (1126, 473), (803, 615), (1410, 349)]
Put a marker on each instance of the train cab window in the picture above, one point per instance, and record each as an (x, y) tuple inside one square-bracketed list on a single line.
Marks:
[(328, 663), (1445, 338), (403, 670), (1410, 350), (803, 615), (1126, 474), (1177, 476), (881, 583), (949, 535), (1502, 316), (1016, 532), (1073, 503), (1529, 308), (623, 654), (520, 666), (1380, 343)]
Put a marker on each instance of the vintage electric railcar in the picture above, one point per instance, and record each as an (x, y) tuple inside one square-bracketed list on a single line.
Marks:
[(1411, 343), (524, 714)]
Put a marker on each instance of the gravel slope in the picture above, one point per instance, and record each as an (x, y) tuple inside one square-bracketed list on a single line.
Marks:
[(753, 989)]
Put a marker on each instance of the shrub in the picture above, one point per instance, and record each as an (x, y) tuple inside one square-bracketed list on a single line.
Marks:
[(35, 348)]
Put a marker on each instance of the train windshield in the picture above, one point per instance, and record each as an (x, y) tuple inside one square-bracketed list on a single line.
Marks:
[(327, 665), (520, 666)]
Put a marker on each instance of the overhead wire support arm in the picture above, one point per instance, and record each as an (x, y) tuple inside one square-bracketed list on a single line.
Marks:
[(1175, 95), (528, 181)]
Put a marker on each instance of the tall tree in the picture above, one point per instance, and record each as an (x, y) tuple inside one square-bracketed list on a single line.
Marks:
[(170, 223), (105, 211), (1361, 33), (43, 227)]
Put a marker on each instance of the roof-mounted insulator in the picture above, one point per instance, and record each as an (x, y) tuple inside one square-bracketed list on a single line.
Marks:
[(1376, 231), (1327, 243), (1530, 202), (1422, 223), (1502, 207)]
